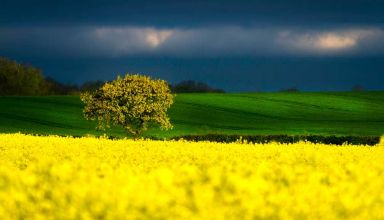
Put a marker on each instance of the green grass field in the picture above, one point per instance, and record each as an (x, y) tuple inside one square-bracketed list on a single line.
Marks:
[(324, 113)]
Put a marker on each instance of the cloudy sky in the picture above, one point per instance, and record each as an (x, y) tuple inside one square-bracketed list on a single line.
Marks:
[(244, 45)]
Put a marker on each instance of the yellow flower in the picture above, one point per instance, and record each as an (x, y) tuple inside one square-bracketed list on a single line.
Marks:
[(96, 178)]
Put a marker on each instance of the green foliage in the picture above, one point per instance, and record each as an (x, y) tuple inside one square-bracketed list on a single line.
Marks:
[(25, 80), (18, 79), (190, 86), (134, 102), (55, 87), (91, 86)]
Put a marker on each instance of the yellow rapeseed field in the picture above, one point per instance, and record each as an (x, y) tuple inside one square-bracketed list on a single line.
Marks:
[(91, 178)]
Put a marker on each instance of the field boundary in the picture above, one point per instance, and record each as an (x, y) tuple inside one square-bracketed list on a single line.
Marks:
[(287, 139), (256, 139)]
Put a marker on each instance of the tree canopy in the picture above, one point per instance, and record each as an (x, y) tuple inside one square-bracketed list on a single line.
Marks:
[(134, 102), (20, 79)]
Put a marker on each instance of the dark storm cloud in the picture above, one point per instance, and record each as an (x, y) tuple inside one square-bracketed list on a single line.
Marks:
[(238, 45), (176, 13), (196, 42), (113, 28)]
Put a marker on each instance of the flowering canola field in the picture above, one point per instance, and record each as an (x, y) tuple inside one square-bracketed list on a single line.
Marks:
[(91, 178)]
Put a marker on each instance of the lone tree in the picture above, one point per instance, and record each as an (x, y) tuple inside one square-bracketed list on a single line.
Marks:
[(134, 102)]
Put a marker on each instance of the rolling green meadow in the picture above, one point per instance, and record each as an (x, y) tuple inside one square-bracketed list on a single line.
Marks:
[(302, 113)]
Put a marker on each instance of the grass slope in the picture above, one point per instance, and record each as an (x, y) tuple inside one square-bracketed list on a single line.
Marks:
[(325, 113)]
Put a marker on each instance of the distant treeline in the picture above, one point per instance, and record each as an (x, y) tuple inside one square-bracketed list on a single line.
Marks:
[(190, 86), (22, 79), (18, 79)]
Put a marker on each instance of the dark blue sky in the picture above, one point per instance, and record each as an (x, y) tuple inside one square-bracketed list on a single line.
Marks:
[(259, 45)]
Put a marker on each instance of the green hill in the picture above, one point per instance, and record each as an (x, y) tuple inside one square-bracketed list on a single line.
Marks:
[(325, 113)]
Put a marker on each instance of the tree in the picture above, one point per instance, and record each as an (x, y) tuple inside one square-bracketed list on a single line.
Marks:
[(90, 86), (357, 88), (291, 89), (134, 102), (190, 86), (55, 87), (19, 79)]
